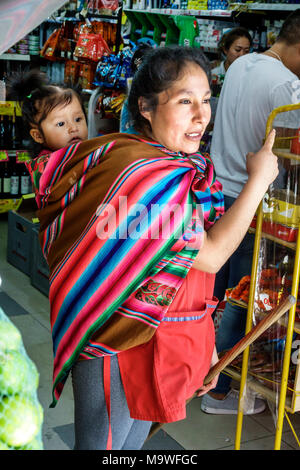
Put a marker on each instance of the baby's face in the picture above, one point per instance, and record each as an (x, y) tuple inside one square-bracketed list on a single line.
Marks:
[(64, 125)]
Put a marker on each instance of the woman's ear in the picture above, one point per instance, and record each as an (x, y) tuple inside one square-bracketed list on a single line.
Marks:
[(36, 135), (143, 108)]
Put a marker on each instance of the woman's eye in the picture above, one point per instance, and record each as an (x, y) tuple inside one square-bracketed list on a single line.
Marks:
[(185, 101), (206, 101)]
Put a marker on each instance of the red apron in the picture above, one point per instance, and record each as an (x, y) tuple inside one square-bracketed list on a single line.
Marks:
[(160, 375)]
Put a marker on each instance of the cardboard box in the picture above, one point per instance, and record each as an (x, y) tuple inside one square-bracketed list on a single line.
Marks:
[(19, 239)]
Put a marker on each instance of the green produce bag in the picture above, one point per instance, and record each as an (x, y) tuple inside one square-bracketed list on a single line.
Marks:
[(21, 414)]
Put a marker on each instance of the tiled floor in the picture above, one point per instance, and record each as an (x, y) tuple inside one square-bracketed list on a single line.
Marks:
[(28, 309)]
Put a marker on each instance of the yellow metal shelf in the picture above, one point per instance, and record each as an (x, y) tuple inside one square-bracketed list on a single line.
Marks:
[(285, 401)]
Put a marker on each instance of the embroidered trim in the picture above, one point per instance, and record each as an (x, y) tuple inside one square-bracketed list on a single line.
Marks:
[(155, 293)]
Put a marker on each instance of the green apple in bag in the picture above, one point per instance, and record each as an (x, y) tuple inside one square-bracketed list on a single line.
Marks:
[(10, 337), (4, 446), (19, 420), (17, 373)]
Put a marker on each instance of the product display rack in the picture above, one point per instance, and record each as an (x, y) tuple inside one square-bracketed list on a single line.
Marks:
[(285, 397)]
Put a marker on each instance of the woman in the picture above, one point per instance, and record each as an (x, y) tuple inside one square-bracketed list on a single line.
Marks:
[(132, 230), (233, 44)]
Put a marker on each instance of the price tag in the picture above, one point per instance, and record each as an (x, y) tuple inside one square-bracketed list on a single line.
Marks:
[(4, 156), (22, 156), (7, 108)]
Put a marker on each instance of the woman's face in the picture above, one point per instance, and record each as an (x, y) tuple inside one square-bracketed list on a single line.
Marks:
[(239, 47), (182, 113)]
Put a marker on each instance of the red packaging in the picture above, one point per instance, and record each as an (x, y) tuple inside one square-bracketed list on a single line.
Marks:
[(288, 234), (91, 46), (295, 143)]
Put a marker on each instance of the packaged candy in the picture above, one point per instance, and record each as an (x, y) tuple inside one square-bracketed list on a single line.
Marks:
[(51, 47)]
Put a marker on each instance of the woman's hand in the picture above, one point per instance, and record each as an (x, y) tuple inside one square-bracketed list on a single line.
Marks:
[(263, 165), (223, 238), (205, 388)]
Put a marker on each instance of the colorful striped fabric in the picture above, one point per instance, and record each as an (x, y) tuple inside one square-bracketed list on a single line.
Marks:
[(121, 264)]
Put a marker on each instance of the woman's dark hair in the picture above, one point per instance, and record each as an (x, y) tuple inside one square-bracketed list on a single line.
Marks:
[(138, 55), (160, 68), (38, 97), (228, 38), (290, 30)]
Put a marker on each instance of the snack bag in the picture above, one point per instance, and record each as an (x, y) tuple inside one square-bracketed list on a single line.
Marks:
[(91, 46), (51, 48)]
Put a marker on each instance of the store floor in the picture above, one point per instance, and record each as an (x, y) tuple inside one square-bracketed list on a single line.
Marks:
[(28, 309)]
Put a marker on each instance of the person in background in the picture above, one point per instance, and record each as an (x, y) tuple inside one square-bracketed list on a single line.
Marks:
[(233, 44), (254, 85)]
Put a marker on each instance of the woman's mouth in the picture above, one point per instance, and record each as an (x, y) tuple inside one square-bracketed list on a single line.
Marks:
[(193, 136)]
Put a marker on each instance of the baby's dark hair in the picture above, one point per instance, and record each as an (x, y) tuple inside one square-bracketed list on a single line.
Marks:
[(160, 68), (37, 96)]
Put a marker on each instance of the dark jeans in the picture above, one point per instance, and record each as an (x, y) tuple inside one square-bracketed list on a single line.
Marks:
[(233, 322)]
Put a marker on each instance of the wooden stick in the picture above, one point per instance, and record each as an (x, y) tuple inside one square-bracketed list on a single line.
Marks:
[(249, 338)]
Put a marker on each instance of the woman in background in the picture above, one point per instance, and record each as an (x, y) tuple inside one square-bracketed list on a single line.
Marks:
[(233, 44)]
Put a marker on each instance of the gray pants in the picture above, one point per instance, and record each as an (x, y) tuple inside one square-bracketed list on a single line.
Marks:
[(91, 419)]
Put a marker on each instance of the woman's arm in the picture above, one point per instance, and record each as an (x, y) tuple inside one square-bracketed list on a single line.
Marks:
[(227, 233)]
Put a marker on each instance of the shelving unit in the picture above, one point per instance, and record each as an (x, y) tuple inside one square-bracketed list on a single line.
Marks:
[(22, 57), (285, 397)]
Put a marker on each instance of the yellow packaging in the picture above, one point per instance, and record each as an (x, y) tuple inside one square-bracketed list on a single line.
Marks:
[(283, 207)]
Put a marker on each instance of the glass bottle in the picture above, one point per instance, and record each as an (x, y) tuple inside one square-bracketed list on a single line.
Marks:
[(6, 181)]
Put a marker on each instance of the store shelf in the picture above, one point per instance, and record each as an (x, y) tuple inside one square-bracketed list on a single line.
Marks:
[(171, 11), (9, 205), (290, 245), (234, 7), (22, 57), (264, 6), (292, 401), (285, 153), (282, 321)]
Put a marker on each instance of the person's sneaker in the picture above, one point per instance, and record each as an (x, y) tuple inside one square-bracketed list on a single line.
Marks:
[(229, 405)]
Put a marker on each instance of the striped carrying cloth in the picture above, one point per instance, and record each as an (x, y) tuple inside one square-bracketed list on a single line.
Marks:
[(120, 227)]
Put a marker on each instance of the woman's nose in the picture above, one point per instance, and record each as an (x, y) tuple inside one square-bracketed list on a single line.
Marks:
[(199, 113)]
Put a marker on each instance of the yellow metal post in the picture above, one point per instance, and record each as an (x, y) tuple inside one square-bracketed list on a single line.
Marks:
[(287, 349), (248, 327)]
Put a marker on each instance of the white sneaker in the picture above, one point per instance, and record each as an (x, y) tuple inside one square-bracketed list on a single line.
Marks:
[(229, 405)]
